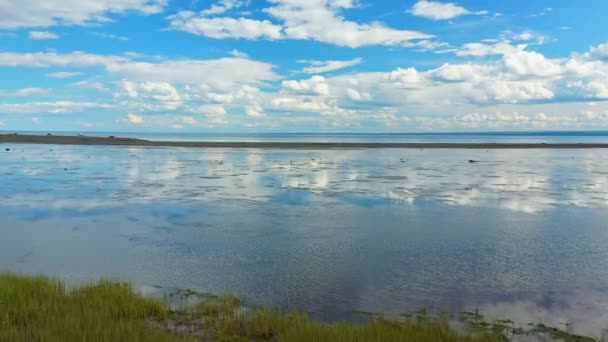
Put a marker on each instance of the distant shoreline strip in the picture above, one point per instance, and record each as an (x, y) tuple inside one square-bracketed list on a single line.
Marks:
[(122, 141)]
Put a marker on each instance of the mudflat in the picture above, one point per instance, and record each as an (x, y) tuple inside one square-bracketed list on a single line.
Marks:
[(126, 141)]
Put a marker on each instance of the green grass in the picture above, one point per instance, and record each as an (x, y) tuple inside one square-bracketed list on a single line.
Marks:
[(42, 309), (37, 308)]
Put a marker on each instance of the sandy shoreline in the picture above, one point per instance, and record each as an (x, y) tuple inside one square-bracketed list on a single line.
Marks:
[(122, 141)]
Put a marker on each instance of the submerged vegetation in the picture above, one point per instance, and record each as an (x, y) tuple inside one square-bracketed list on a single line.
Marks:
[(37, 308)]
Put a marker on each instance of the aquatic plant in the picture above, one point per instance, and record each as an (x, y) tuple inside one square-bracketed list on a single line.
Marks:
[(38, 308)]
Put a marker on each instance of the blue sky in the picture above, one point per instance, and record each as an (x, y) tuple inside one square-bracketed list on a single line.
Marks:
[(303, 65)]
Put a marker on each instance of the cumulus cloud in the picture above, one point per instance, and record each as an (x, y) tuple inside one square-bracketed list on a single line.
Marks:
[(460, 72), (439, 10), (599, 52), (226, 27), (319, 20), (515, 88), (151, 95), (135, 119), (313, 85), (223, 6), (530, 63), (34, 13)]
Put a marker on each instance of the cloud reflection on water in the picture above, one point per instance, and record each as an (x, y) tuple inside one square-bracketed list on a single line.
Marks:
[(328, 231), (518, 180)]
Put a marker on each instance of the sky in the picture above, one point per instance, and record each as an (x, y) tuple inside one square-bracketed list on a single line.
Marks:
[(303, 65)]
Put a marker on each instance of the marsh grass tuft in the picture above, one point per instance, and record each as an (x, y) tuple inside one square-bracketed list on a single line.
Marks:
[(42, 309), (38, 308)]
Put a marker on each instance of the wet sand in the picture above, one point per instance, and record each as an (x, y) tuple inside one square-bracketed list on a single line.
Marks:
[(125, 141)]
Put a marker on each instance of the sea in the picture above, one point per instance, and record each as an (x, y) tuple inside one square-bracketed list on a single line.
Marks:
[(521, 234)]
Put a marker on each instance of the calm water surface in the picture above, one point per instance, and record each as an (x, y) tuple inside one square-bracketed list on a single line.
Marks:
[(523, 234)]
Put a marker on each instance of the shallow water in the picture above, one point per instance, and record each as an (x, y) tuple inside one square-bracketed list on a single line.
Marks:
[(522, 234)]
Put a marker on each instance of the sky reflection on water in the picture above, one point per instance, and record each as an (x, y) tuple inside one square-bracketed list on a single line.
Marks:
[(522, 232)]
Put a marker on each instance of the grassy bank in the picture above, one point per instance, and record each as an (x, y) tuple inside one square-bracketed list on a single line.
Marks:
[(43, 309)]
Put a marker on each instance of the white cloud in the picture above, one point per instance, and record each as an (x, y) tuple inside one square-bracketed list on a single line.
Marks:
[(226, 27), (135, 119), (404, 77), (298, 104), (524, 36), (47, 59), (151, 95), (237, 53), (543, 12), (223, 6), (255, 111), (481, 49), (511, 90), (64, 74), (530, 63), (222, 74), (214, 115), (516, 91), (43, 35), (314, 85), (212, 110), (439, 10), (25, 92), (58, 107), (353, 94), (34, 13), (318, 20), (317, 67), (91, 85), (110, 36), (599, 52), (460, 72)]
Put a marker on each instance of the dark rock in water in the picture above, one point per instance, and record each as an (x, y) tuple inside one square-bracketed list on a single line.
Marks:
[(7, 149), (65, 169), (49, 134), (111, 137), (473, 161)]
